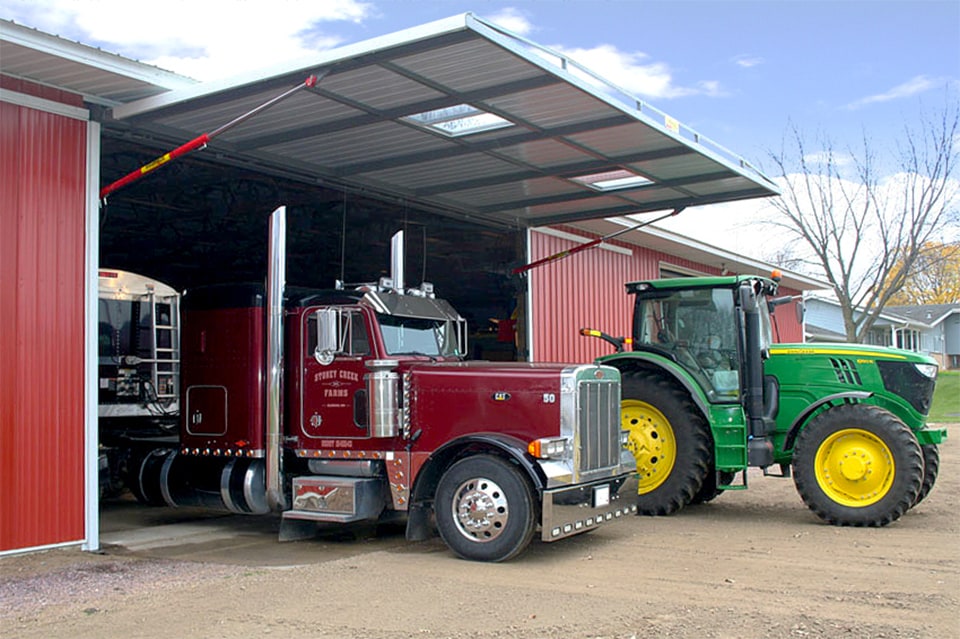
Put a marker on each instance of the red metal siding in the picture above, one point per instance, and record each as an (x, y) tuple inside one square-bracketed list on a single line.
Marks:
[(586, 290), (42, 209)]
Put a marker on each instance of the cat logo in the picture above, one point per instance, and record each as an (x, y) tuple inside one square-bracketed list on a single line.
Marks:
[(501, 396)]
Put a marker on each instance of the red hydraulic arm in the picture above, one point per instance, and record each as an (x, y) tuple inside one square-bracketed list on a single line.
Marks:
[(201, 141), (583, 247)]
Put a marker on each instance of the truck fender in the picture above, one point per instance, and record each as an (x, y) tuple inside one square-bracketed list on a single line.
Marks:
[(425, 484), (801, 419), (638, 360)]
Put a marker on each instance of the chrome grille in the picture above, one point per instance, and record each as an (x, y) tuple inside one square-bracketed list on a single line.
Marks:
[(597, 442)]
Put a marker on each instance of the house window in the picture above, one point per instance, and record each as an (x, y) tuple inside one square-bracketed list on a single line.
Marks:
[(908, 339)]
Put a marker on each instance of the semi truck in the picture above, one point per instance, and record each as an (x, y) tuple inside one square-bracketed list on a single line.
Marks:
[(138, 369), (355, 404), (707, 394)]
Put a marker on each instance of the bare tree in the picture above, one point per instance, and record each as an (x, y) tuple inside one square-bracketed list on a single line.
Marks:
[(865, 231)]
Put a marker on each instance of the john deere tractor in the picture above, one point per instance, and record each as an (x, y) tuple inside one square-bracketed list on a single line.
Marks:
[(707, 395)]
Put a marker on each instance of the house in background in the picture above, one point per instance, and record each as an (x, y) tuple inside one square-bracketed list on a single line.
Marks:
[(932, 329)]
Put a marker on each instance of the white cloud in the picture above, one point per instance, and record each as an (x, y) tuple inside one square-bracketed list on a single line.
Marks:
[(828, 157), (633, 72), (512, 19), (747, 61), (201, 39), (911, 87)]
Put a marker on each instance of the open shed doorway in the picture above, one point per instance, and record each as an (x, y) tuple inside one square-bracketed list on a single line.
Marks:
[(199, 221)]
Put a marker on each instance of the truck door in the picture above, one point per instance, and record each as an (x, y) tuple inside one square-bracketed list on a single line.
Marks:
[(333, 404)]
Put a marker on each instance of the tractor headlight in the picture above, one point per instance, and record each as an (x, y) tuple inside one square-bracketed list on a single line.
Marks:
[(927, 370), (547, 448)]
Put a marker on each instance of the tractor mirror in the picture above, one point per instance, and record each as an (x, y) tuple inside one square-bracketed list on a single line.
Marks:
[(328, 334)]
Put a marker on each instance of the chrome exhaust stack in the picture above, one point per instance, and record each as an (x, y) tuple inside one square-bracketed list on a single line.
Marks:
[(276, 281), (396, 261)]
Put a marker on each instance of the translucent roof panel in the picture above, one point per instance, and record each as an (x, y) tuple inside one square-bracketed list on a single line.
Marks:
[(462, 118)]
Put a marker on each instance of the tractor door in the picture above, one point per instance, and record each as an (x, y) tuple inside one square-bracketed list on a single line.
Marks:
[(333, 401)]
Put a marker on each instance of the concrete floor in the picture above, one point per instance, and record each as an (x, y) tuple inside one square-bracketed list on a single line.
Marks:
[(195, 534)]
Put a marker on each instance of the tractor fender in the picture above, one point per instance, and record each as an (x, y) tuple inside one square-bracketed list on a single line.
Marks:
[(425, 484), (626, 362), (801, 419)]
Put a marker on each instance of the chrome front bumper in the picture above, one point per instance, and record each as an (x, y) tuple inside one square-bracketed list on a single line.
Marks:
[(572, 510)]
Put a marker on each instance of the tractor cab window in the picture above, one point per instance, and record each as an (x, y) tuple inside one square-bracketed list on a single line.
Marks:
[(697, 329), (419, 336)]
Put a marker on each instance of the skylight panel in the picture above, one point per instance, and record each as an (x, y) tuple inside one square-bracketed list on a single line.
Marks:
[(613, 180), (462, 119)]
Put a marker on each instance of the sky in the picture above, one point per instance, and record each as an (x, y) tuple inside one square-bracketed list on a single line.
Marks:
[(741, 73)]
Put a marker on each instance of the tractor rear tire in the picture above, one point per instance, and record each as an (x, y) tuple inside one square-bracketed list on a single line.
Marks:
[(670, 440), (931, 468), (858, 465)]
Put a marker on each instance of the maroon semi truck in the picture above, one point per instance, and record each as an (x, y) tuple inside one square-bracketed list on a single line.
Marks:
[(341, 406)]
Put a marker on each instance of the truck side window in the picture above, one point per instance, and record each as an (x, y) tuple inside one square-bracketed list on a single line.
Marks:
[(359, 343), (355, 340)]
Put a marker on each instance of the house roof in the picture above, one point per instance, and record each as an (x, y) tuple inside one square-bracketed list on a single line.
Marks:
[(461, 117), (930, 314)]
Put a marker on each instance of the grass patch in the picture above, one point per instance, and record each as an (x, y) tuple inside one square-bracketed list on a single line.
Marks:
[(946, 398)]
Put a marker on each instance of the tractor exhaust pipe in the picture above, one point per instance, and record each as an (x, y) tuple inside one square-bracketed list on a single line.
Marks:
[(276, 281)]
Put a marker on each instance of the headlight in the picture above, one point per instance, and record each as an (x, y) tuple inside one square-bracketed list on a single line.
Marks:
[(927, 370), (547, 448)]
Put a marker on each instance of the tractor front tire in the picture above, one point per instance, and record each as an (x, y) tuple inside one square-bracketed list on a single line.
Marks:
[(485, 509), (857, 465), (670, 440)]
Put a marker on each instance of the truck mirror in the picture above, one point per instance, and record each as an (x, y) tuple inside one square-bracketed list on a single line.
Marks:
[(328, 335)]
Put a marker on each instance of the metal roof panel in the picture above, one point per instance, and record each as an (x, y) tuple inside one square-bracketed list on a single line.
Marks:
[(367, 125)]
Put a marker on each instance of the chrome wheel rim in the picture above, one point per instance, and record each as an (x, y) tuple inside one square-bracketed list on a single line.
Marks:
[(480, 509)]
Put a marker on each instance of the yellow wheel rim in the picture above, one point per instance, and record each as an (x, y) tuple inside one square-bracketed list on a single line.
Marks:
[(652, 442), (854, 468)]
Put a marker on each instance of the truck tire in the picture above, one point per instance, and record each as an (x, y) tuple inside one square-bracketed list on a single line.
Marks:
[(931, 468), (857, 465), (485, 509), (670, 440)]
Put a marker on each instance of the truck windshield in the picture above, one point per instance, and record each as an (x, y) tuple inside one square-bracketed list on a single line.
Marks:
[(697, 328), (418, 336)]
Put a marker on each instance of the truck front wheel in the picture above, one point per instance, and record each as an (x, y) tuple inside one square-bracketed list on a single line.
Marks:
[(485, 509), (670, 440), (858, 465)]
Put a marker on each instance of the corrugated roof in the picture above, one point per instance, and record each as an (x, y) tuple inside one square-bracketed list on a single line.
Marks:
[(552, 128), (100, 77)]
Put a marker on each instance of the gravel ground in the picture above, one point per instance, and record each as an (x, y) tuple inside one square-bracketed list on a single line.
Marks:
[(754, 564)]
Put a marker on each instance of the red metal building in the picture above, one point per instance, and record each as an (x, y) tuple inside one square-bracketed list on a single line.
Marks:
[(587, 288), (45, 139)]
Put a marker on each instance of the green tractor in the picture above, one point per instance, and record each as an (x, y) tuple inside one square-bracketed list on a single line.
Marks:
[(707, 395)]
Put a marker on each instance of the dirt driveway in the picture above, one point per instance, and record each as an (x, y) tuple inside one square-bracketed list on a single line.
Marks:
[(753, 563)]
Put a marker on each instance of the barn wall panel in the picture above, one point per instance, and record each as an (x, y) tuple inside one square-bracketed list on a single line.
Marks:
[(587, 290), (42, 208)]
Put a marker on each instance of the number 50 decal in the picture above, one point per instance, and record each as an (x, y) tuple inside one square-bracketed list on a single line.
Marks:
[(549, 398)]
